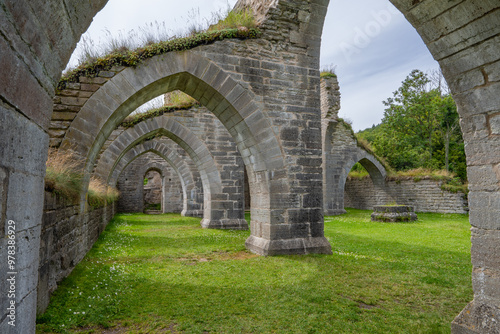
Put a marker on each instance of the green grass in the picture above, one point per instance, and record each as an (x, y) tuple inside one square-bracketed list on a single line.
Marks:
[(150, 274)]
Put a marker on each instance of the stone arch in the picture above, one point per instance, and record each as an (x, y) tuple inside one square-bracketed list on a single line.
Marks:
[(340, 153), (218, 209), (160, 169), (187, 176), (464, 37), (197, 76)]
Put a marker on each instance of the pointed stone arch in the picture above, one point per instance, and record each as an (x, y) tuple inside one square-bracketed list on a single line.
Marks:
[(219, 211), (187, 176), (254, 132), (193, 74), (340, 153), (462, 35)]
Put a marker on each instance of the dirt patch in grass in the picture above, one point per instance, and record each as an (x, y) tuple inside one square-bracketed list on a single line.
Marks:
[(242, 255), (218, 256)]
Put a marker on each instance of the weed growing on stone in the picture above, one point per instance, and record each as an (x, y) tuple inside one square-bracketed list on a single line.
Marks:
[(174, 101), (132, 120), (62, 175), (328, 71), (99, 193), (164, 273), (135, 57), (242, 19), (121, 50)]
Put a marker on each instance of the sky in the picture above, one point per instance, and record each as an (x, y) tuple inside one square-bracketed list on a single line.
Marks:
[(371, 45)]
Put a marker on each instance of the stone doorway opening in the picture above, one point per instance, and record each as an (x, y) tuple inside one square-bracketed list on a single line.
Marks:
[(153, 192)]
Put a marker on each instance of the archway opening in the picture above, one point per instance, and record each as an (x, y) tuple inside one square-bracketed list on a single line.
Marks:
[(153, 192)]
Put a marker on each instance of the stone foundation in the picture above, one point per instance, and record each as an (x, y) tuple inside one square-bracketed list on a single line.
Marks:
[(66, 237), (393, 214)]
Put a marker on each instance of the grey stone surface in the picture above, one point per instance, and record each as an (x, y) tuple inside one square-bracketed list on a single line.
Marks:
[(66, 236), (393, 213), (133, 193), (425, 195)]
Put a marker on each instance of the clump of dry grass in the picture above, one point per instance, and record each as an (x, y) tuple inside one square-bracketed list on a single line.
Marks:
[(63, 175), (328, 71), (233, 19), (99, 193), (422, 173)]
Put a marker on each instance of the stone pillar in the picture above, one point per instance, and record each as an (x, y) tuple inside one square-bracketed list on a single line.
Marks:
[(287, 215), (22, 160), (333, 194), (33, 52)]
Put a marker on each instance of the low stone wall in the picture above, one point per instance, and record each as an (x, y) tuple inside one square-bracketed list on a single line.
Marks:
[(425, 195), (66, 237)]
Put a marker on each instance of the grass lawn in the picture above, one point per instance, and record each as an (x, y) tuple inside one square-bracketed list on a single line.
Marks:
[(163, 274)]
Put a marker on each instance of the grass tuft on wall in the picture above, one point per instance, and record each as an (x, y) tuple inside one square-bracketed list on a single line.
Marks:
[(132, 58), (64, 177)]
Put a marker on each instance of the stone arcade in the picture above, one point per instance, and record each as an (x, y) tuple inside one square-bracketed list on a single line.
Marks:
[(244, 84)]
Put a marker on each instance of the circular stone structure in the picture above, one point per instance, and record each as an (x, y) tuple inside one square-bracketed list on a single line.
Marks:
[(393, 213)]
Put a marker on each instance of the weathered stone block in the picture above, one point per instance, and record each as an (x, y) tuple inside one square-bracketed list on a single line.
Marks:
[(393, 213)]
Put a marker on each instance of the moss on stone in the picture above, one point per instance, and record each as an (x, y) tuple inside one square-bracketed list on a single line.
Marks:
[(133, 120), (133, 58)]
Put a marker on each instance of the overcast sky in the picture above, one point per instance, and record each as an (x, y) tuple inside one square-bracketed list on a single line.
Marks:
[(371, 44)]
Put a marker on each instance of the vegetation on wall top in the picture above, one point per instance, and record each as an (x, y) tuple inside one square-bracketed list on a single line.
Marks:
[(328, 71), (239, 24), (135, 57), (173, 101), (132, 120), (65, 179)]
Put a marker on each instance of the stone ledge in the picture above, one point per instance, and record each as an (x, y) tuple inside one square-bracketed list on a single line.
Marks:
[(393, 213), (297, 246), (225, 224), (192, 213), (334, 212)]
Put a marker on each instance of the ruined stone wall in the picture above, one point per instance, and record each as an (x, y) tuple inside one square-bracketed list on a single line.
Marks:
[(130, 185), (425, 195), (330, 98), (66, 237)]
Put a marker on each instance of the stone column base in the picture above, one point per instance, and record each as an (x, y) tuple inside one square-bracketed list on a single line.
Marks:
[(477, 319), (192, 213), (318, 245), (334, 212), (225, 224)]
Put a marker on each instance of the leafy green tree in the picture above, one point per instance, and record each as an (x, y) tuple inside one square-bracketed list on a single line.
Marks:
[(420, 127)]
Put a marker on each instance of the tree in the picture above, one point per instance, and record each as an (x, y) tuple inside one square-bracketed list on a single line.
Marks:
[(449, 123), (420, 127)]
